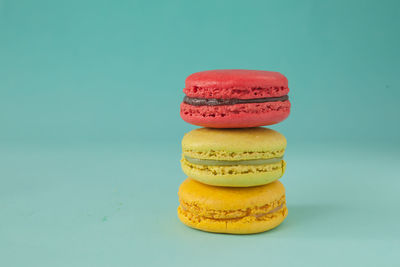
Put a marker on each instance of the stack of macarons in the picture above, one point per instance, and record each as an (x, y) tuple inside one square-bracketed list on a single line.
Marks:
[(233, 165)]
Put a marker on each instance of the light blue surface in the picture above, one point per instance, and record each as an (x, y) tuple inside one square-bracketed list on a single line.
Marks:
[(108, 206), (89, 168)]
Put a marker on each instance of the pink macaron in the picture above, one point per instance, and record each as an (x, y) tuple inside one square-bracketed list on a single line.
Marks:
[(235, 98)]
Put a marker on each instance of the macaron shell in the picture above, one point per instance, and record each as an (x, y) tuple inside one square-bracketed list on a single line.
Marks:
[(247, 225), (240, 84), (236, 116), (233, 144), (234, 176), (248, 93), (229, 198)]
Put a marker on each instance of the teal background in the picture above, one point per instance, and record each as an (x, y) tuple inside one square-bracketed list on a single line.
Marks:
[(90, 129)]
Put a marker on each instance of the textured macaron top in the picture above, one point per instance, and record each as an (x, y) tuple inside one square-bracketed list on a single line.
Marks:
[(233, 144), (230, 198), (236, 84)]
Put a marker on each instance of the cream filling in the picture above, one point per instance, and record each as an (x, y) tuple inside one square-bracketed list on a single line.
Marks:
[(212, 162), (258, 215), (269, 212)]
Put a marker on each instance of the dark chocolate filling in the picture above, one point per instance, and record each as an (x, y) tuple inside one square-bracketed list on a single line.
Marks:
[(219, 102)]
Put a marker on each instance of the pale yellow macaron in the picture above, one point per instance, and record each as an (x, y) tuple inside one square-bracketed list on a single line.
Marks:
[(231, 210), (233, 157)]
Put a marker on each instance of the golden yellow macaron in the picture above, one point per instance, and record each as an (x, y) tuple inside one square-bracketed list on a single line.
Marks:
[(230, 209), (233, 157)]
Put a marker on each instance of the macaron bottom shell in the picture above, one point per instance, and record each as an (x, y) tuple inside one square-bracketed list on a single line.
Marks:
[(236, 116), (245, 225), (234, 176)]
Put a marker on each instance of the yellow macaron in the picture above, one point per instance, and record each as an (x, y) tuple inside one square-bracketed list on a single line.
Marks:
[(230, 209), (233, 157)]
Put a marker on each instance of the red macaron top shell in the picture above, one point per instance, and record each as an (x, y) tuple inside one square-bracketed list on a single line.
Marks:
[(238, 84)]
